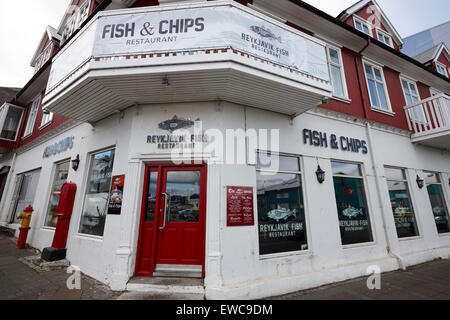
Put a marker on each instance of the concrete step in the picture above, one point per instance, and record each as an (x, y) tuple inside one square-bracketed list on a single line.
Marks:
[(164, 288)]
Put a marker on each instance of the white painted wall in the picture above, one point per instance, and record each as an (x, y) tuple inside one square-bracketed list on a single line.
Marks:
[(234, 268)]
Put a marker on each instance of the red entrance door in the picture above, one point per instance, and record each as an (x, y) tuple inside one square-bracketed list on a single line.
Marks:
[(172, 233)]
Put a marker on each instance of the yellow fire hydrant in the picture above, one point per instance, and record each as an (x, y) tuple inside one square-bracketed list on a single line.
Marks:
[(25, 216)]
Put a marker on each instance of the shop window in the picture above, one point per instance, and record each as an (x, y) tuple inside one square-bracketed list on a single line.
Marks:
[(377, 87), (281, 212), (440, 210), (95, 206), (337, 72), (354, 221), (60, 178), (405, 221), (32, 117)]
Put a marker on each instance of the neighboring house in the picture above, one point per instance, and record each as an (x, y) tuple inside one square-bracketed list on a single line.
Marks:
[(7, 94), (424, 40), (360, 133)]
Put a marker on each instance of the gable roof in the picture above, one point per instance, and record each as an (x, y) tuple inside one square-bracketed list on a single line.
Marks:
[(51, 34), (433, 53), (383, 17)]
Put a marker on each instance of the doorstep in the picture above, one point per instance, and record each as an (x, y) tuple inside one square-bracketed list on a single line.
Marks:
[(164, 288)]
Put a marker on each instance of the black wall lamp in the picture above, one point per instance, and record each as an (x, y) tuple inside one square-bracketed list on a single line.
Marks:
[(320, 174), (76, 163), (419, 182)]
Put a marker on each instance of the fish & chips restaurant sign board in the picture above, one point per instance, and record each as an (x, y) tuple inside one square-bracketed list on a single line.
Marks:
[(209, 28)]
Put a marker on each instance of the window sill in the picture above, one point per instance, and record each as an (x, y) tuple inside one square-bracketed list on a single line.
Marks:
[(285, 255), (89, 237), (445, 234), (410, 238), (27, 136), (342, 99), (386, 112), (51, 229), (45, 125), (359, 245)]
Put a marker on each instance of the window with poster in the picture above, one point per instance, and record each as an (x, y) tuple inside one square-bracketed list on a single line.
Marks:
[(281, 211), (95, 208), (402, 209), (354, 221)]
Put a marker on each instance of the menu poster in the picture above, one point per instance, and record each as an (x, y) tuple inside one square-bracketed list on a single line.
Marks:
[(116, 195), (240, 207)]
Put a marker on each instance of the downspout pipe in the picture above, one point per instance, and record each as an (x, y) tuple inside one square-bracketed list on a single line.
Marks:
[(389, 250), (360, 83)]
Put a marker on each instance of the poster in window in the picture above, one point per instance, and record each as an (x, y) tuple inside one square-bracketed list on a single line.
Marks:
[(116, 195)]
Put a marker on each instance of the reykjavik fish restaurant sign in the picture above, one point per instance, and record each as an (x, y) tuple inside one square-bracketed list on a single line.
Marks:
[(208, 28)]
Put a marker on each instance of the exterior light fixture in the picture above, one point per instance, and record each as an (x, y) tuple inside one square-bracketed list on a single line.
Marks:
[(420, 182), (325, 100), (320, 175), (45, 111), (76, 163), (165, 81)]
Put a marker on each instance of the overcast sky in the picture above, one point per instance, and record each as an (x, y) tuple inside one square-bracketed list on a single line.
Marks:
[(23, 22)]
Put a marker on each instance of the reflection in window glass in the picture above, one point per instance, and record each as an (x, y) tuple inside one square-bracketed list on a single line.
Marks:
[(151, 197), (437, 200), (281, 213), (276, 162), (183, 188), (61, 173), (351, 202), (402, 209), (97, 194)]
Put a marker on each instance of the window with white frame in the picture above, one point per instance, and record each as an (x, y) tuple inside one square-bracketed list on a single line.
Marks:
[(441, 69), (47, 117), (384, 37), (411, 97), (83, 13), (32, 117), (377, 87), (337, 72), (37, 63), (47, 52), (68, 29), (362, 25)]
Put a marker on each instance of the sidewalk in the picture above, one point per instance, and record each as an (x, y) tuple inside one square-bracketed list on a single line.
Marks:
[(430, 281), (20, 282)]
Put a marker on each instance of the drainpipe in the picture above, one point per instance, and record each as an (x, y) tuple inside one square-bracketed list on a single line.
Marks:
[(379, 194), (359, 56)]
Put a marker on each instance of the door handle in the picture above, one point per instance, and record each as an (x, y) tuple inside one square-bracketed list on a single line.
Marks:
[(166, 208)]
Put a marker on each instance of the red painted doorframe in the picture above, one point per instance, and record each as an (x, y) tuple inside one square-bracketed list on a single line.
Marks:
[(159, 168)]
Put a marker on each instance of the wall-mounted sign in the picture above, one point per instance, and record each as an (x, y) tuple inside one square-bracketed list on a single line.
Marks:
[(59, 147), (240, 207), (176, 123), (116, 195), (206, 28), (322, 140)]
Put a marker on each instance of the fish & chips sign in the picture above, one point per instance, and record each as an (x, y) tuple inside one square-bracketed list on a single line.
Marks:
[(209, 28), (58, 147)]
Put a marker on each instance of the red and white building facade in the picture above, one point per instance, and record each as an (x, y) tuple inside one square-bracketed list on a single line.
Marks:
[(116, 79)]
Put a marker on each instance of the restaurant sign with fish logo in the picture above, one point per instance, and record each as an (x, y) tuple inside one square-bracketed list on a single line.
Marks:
[(206, 28)]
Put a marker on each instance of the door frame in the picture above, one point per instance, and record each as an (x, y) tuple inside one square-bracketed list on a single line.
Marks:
[(160, 166)]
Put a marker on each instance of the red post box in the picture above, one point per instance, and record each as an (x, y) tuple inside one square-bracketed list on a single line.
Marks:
[(64, 213)]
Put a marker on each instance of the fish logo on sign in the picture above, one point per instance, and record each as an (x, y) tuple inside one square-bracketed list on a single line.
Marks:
[(176, 123), (265, 33)]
